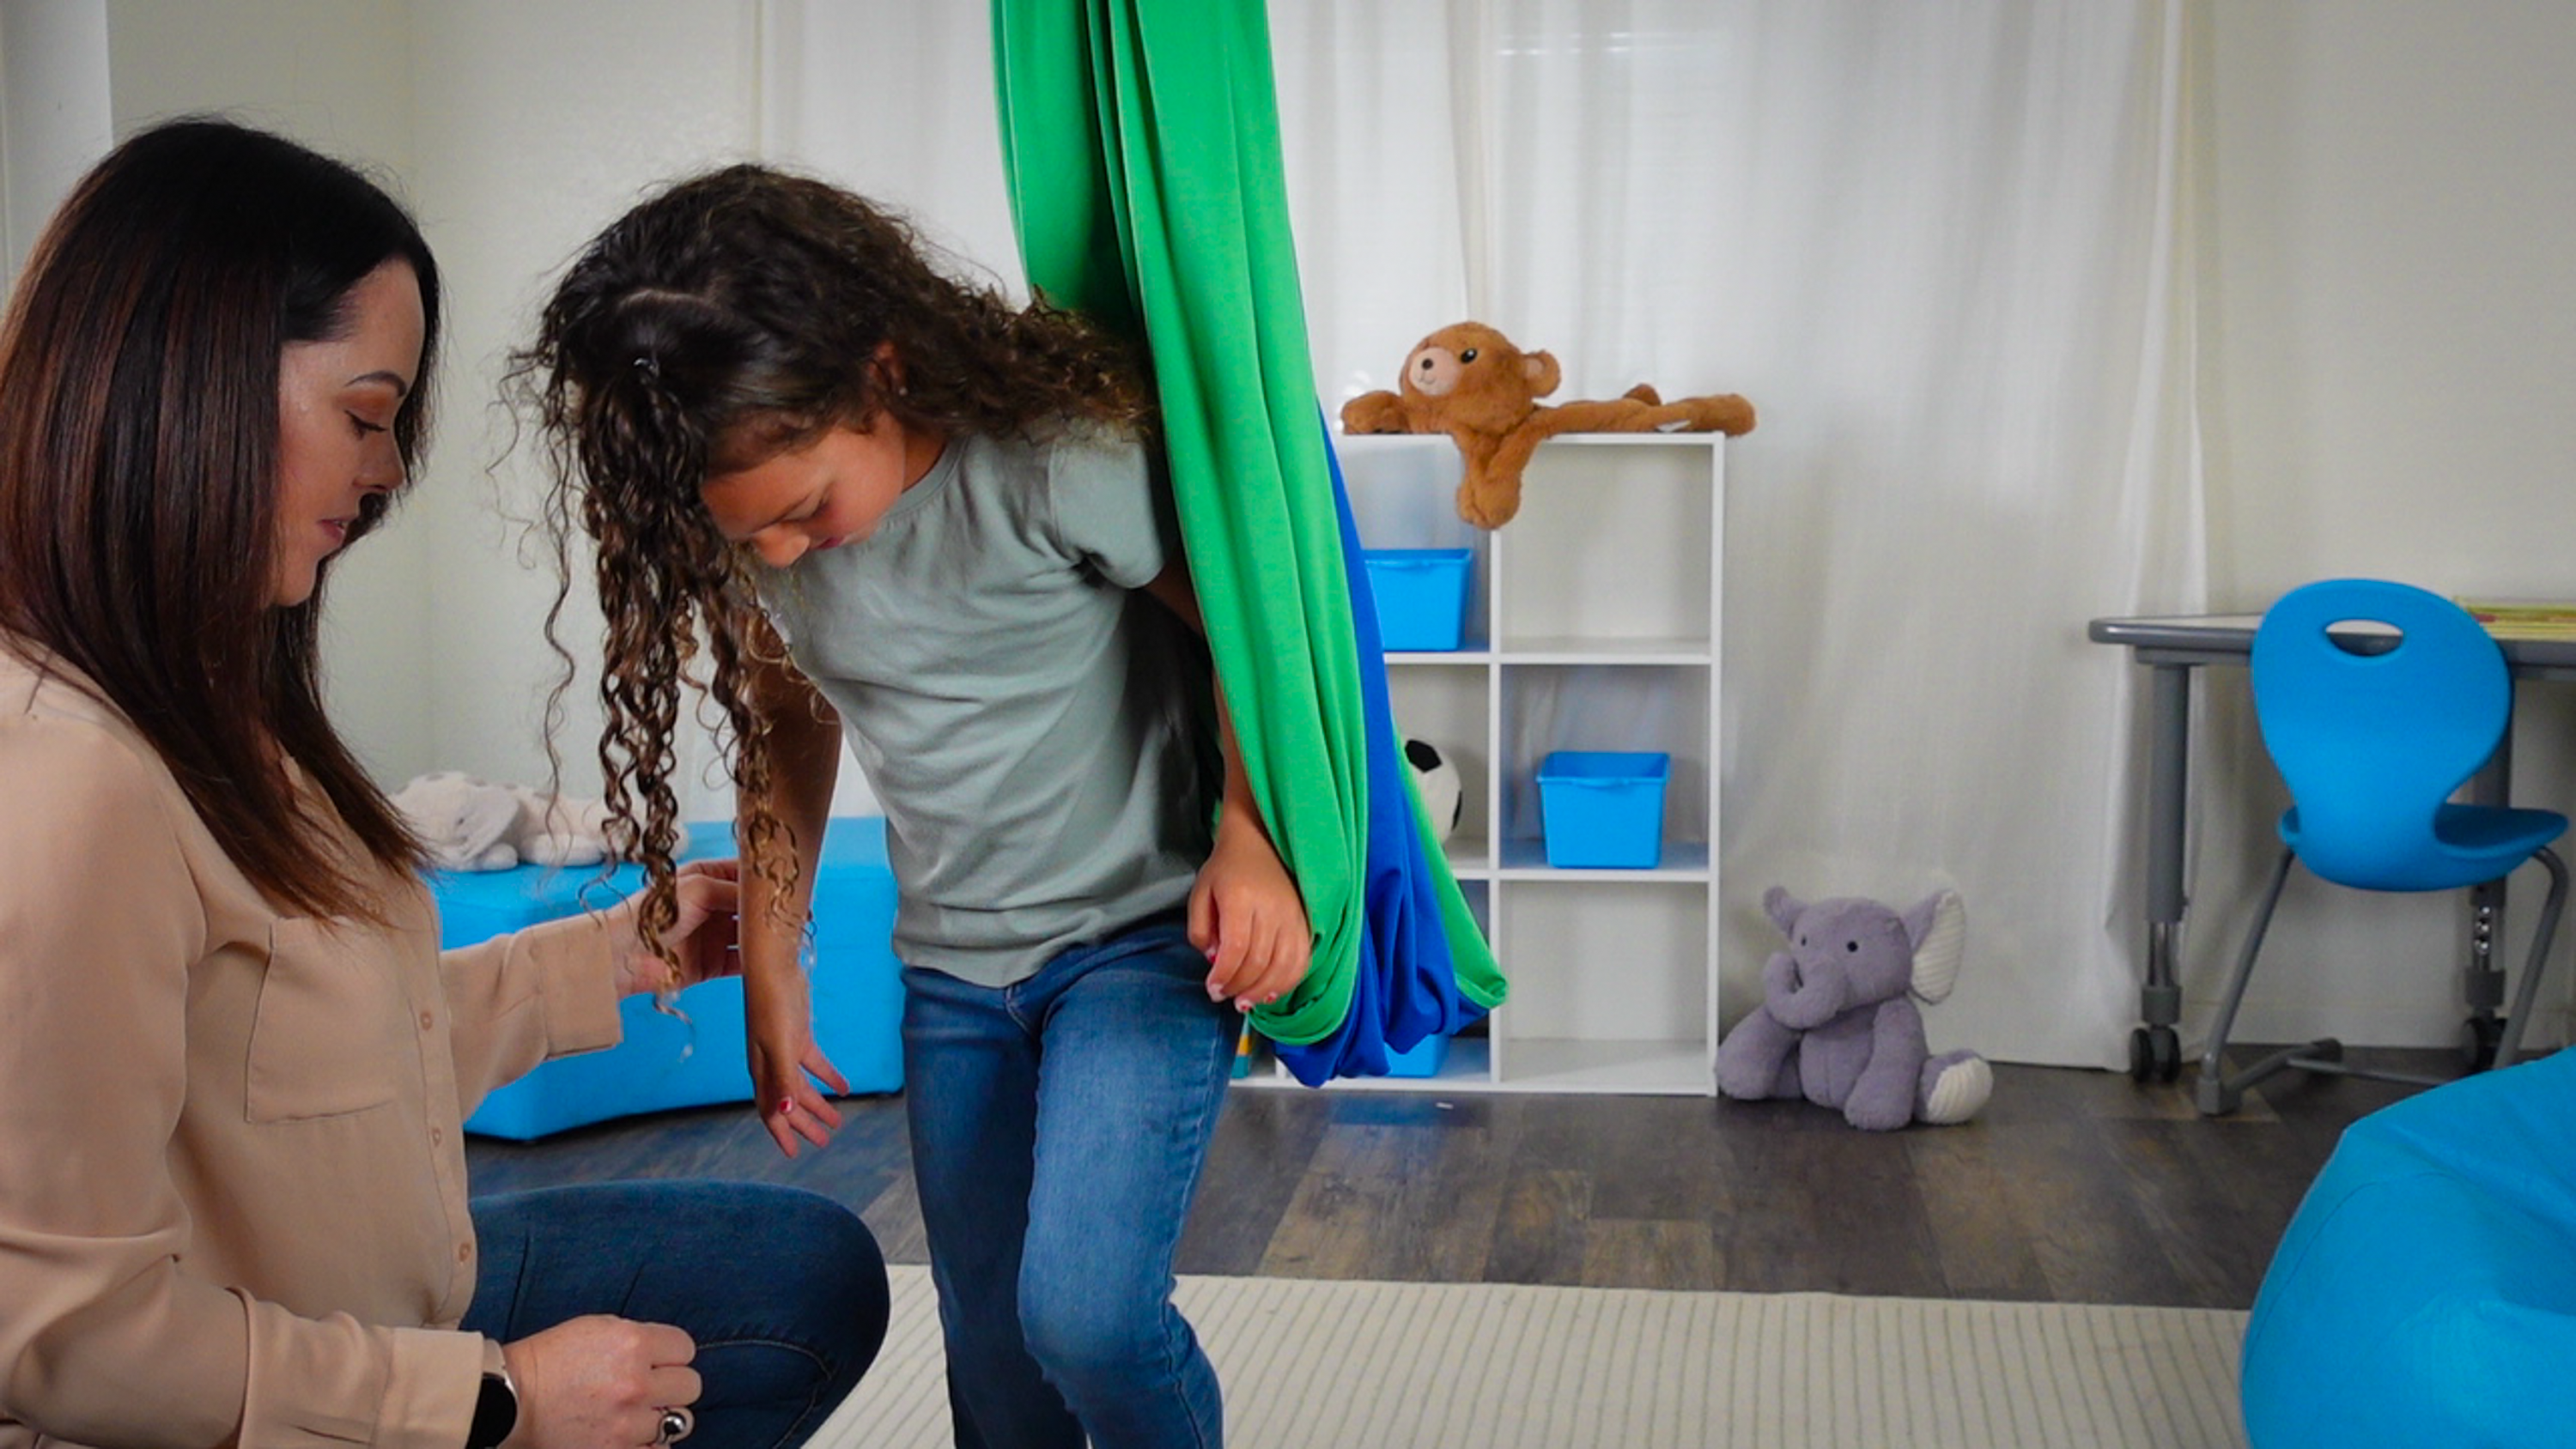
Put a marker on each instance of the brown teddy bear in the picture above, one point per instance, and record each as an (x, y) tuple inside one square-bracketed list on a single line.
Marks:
[(1469, 381)]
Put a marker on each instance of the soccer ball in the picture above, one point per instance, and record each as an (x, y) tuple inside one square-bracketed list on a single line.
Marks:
[(1444, 798)]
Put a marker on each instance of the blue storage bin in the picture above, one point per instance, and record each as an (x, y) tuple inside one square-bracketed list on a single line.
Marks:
[(664, 1061), (1422, 1061), (1603, 809), (1421, 596)]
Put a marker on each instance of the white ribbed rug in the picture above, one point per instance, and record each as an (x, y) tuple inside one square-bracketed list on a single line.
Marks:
[(1497, 1366)]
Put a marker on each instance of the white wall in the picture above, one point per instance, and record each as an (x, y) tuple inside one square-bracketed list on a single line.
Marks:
[(2390, 359), (537, 125), (2392, 302), (515, 131), (53, 77), (334, 76)]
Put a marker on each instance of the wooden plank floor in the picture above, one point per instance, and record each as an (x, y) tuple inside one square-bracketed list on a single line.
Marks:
[(2073, 1186)]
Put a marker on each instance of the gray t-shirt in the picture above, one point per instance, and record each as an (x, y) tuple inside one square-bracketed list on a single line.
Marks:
[(1030, 725)]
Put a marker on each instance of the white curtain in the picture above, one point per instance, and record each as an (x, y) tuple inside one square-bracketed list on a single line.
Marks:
[(1944, 249)]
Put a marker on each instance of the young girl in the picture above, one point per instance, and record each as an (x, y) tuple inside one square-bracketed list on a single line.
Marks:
[(892, 502)]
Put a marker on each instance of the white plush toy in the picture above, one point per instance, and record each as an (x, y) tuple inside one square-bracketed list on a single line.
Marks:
[(471, 824), (559, 829)]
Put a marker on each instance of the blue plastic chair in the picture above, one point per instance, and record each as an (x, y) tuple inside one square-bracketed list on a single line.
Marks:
[(2373, 730)]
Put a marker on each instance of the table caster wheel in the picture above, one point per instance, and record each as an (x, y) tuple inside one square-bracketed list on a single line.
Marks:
[(2155, 1054), (2479, 1040)]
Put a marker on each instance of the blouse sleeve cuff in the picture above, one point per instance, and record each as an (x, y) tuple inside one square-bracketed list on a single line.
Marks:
[(575, 985), (437, 1377)]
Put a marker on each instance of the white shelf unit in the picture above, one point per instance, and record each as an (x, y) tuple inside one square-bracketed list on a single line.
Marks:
[(1593, 623)]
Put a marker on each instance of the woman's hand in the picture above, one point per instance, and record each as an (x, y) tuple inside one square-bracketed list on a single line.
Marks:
[(778, 1017), (1245, 913), (598, 1383), (701, 943)]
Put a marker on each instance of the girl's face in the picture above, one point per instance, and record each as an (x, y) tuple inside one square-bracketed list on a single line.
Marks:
[(823, 494), (336, 403)]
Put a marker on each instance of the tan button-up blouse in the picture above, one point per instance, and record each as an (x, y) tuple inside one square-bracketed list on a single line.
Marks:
[(232, 1191)]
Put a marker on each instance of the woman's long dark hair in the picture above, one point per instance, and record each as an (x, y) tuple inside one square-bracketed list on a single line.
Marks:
[(139, 475), (734, 316)]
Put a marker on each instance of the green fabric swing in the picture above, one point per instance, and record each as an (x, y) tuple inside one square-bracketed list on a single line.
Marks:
[(1141, 143)]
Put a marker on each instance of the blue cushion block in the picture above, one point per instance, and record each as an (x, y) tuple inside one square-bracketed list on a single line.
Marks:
[(2425, 1293), (666, 1061)]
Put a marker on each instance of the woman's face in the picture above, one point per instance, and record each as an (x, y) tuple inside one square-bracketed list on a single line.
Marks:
[(336, 403)]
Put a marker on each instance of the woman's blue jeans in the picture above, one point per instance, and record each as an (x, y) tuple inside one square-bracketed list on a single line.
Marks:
[(783, 1290), (1058, 1129)]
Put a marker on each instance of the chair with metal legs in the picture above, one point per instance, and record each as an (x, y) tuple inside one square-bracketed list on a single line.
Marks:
[(2377, 702)]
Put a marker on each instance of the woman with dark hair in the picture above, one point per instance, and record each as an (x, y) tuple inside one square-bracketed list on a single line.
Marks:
[(232, 1188)]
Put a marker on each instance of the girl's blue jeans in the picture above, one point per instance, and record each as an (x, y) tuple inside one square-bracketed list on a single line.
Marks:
[(1058, 1129), (783, 1290)]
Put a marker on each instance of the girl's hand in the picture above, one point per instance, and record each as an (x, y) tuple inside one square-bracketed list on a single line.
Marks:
[(785, 1063), (1245, 913), (701, 944), (593, 1382)]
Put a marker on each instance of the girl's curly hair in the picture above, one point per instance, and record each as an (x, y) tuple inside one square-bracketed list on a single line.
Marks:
[(731, 317)]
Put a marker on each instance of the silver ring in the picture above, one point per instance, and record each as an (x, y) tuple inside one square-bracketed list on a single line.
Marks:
[(677, 1422)]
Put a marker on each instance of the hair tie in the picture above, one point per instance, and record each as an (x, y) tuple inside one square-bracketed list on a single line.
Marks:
[(649, 365)]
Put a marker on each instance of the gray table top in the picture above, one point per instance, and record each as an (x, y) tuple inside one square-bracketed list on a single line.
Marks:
[(2229, 639)]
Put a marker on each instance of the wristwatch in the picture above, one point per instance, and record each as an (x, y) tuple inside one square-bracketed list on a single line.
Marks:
[(496, 1411)]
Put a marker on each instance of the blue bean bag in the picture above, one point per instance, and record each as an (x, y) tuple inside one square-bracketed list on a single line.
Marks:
[(695, 1058), (2425, 1293)]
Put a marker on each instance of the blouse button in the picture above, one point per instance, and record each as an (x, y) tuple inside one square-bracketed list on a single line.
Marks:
[(464, 1252), (424, 1021)]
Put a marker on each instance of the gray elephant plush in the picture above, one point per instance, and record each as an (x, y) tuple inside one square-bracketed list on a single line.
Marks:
[(1838, 1025)]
